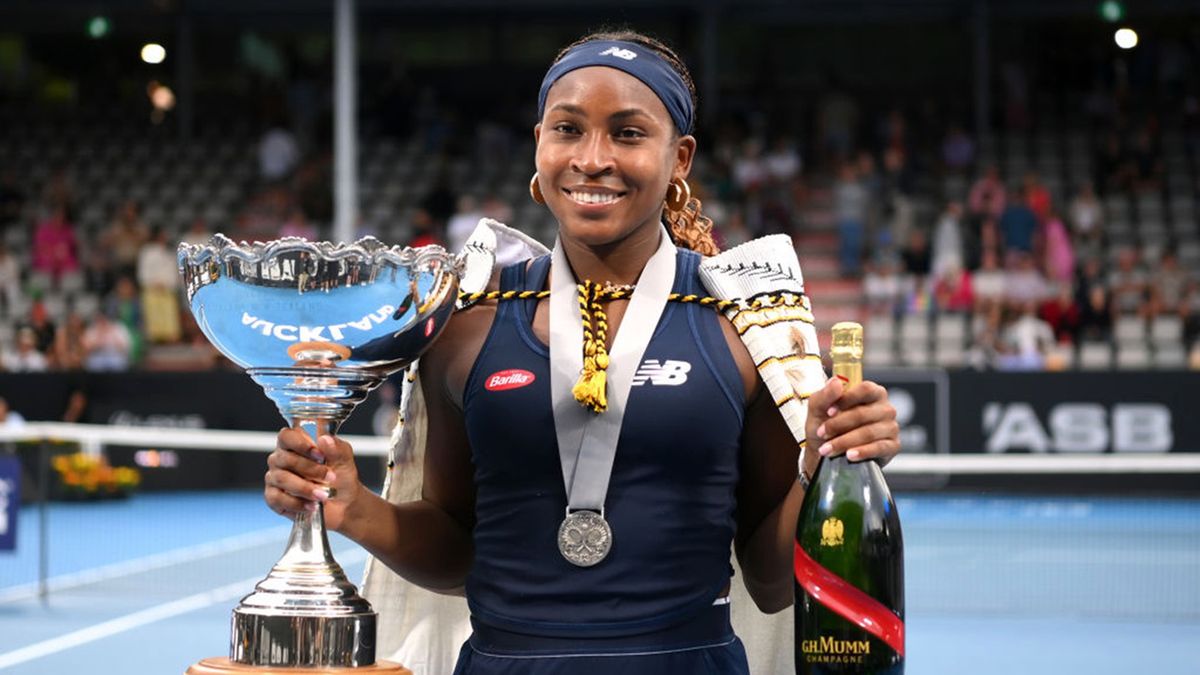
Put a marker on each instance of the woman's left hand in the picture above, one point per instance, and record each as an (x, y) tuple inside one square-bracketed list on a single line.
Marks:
[(857, 421)]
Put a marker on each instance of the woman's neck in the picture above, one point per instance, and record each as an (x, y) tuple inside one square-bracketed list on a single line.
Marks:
[(618, 263)]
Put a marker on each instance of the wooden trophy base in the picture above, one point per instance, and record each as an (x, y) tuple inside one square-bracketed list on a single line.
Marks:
[(223, 666)]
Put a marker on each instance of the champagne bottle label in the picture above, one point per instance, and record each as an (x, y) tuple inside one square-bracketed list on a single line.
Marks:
[(847, 601)]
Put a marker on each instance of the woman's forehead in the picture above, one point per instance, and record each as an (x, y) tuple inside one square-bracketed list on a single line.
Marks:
[(599, 90)]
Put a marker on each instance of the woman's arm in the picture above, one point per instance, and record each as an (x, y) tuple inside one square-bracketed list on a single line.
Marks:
[(427, 541), (859, 422)]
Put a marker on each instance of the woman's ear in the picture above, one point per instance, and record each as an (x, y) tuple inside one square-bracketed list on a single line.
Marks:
[(537, 132), (685, 152)]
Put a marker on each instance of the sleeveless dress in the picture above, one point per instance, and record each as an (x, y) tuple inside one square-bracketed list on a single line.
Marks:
[(652, 605)]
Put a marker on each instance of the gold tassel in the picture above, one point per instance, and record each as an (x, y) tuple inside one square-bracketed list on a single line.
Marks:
[(590, 389)]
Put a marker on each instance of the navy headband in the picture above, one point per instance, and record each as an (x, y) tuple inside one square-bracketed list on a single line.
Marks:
[(636, 60)]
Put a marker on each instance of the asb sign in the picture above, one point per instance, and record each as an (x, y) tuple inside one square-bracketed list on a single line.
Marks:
[(1074, 412)]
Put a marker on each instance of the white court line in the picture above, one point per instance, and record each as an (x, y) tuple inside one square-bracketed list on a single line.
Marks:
[(140, 618), (150, 562)]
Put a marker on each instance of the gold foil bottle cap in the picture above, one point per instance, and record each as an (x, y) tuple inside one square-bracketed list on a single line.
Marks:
[(847, 343)]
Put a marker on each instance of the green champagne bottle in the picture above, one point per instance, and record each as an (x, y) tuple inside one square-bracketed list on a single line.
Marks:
[(849, 561)]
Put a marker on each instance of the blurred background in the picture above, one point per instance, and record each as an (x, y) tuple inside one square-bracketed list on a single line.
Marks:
[(1004, 193)]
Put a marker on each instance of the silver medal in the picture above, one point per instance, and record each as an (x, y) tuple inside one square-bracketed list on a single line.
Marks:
[(584, 538)]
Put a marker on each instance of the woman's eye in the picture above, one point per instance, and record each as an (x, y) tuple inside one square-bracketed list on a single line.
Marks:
[(630, 133), (566, 128)]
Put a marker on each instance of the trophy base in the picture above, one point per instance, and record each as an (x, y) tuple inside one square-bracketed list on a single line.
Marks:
[(223, 666)]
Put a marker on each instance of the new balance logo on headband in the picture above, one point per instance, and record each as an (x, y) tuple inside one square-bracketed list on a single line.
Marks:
[(668, 373), (627, 54)]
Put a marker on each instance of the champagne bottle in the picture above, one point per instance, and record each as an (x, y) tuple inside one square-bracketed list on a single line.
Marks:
[(849, 563)]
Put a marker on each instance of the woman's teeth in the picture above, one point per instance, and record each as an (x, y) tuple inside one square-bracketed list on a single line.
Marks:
[(594, 197)]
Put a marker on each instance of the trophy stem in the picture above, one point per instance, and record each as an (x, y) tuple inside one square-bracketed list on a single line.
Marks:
[(306, 613)]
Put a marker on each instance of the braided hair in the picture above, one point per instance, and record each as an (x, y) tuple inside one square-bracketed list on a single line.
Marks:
[(688, 226)]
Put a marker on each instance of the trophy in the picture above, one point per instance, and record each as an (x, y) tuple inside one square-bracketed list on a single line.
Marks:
[(318, 326)]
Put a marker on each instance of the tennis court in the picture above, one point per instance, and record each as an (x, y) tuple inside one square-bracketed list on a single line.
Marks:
[(996, 584)]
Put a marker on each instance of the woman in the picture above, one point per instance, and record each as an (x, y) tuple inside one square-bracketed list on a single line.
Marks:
[(703, 455)]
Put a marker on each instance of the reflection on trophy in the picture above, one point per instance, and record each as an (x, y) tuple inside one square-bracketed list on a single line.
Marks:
[(318, 325)]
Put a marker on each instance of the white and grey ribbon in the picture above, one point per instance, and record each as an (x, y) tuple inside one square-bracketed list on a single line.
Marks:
[(587, 442)]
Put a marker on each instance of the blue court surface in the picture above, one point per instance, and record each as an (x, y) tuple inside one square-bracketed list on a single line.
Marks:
[(996, 585)]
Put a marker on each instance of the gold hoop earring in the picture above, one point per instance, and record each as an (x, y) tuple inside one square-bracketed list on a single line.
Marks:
[(679, 193), (535, 190)]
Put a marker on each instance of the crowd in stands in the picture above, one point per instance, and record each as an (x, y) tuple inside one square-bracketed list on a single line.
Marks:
[(928, 220)]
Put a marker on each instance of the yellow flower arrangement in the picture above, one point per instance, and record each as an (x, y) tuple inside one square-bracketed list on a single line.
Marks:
[(87, 476)]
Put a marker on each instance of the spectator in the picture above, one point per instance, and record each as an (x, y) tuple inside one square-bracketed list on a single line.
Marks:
[(69, 352), (1127, 284), (1086, 215), (124, 238), (159, 278), (1189, 311), (989, 285), (916, 255), (124, 307), (9, 418), (10, 279), (850, 203), (958, 150), (1037, 196), (55, 250), (1062, 314), (464, 221), (1026, 341), (1025, 283), (749, 169), (25, 357), (948, 241), (953, 291), (783, 163), (42, 326), (499, 210), (1169, 285), (424, 229), (1095, 317), (197, 233), (298, 225), (108, 344), (882, 287), (1018, 224), (1060, 252), (278, 154), (988, 196)]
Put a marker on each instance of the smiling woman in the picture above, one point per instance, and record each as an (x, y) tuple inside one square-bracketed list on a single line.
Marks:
[(595, 538)]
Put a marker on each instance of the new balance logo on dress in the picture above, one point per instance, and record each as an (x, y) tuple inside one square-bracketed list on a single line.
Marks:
[(668, 373), (627, 54)]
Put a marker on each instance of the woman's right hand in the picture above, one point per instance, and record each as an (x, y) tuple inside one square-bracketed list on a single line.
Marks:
[(300, 474)]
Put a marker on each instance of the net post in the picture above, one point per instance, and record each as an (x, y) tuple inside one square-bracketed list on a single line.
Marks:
[(43, 515)]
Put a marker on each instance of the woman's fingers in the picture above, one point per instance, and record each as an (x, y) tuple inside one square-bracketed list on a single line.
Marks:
[(864, 441), (285, 504), (292, 462)]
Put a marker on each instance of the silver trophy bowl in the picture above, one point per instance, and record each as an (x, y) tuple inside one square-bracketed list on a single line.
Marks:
[(318, 326)]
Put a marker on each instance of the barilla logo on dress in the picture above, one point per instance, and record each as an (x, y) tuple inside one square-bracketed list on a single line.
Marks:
[(512, 378), (668, 373), (627, 54)]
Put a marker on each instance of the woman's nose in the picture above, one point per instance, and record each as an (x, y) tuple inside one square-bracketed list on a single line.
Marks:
[(593, 156)]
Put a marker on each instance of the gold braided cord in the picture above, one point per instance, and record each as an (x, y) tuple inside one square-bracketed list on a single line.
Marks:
[(590, 389), (602, 293)]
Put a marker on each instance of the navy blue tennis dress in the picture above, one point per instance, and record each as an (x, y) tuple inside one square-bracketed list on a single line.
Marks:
[(652, 605)]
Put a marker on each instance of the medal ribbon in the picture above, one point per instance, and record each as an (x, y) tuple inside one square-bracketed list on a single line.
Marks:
[(843, 598), (587, 441)]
